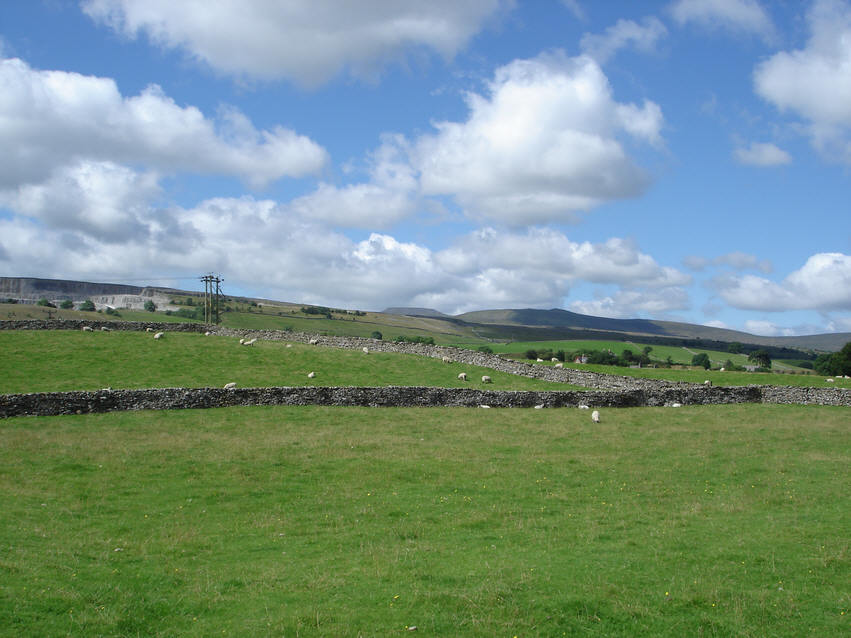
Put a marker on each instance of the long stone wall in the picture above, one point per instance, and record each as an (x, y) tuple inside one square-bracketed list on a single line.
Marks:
[(56, 403), (606, 390)]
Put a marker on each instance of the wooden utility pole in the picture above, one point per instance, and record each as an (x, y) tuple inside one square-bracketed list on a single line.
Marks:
[(211, 297)]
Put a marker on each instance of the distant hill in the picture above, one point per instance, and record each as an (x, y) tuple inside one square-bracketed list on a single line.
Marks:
[(527, 324), (414, 312), (564, 319)]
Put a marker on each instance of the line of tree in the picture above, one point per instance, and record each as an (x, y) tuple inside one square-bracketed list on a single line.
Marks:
[(835, 364)]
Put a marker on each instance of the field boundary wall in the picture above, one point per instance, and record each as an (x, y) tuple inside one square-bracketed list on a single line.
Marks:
[(605, 390)]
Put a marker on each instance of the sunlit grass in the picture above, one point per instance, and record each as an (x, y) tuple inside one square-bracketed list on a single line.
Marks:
[(43, 361), (724, 520)]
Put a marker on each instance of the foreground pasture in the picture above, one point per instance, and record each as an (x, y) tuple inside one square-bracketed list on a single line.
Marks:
[(709, 520)]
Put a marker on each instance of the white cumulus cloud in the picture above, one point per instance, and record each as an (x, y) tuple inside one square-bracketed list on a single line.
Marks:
[(50, 119), (762, 154), (306, 41), (625, 304), (823, 283), (815, 82), (624, 33), (541, 145), (747, 16)]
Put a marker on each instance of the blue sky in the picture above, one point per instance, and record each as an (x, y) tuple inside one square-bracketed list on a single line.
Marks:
[(686, 160)]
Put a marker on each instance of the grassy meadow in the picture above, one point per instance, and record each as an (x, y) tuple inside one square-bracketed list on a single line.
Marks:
[(312, 521), (62, 360)]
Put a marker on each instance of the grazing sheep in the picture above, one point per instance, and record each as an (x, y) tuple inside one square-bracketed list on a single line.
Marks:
[(313, 342), (87, 329), (159, 335), (208, 333), (241, 341), (676, 405), (486, 379), (463, 376), (539, 407), (539, 360), (484, 406), (829, 380), (582, 406), (250, 342), (595, 416), (289, 345), (365, 350), (446, 360), (554, 360), (311, 375), (559, 365), (230, 386), (723, 370), (707, 382), (149, 329), (105, 329)]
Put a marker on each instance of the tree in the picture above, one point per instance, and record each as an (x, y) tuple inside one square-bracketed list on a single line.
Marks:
[(701, 359), (377, 335), (761, 358), (67, 304), (150, 306), (836, 363), (87, 305), (44, 302), (734, 347)]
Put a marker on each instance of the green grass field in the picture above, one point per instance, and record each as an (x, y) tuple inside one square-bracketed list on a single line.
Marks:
[(702, 521), (719, 378), (43, 361), (679, 355)]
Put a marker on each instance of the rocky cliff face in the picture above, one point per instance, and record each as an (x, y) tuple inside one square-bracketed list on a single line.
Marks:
[(35, 288)]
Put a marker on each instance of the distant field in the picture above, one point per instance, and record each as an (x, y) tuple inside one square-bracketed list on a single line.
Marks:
[(678, 355), (42, 361), (701, 521), (720, 378)]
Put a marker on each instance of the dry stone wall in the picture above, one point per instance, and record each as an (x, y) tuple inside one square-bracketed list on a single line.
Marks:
[(605, 390)]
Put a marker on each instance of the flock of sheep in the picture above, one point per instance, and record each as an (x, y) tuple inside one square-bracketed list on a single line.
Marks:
[(595, 415)]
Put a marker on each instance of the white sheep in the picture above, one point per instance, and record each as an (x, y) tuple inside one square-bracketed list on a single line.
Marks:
[(208, 333), (559, 365), (539, 360), (159, 335), (230, 386), (311, 375), (484, 406), (149, 329), (539, 407), (250, 342), (446, 360), (582, 406), (829, 380), (313, 342), (105, 329), (365, 350), (595, 416), (554, 360), (486, 379), (87, 329), (463, 376), (289, 345), (707, 382), (676, 405), (241, 341), (723, 370)]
